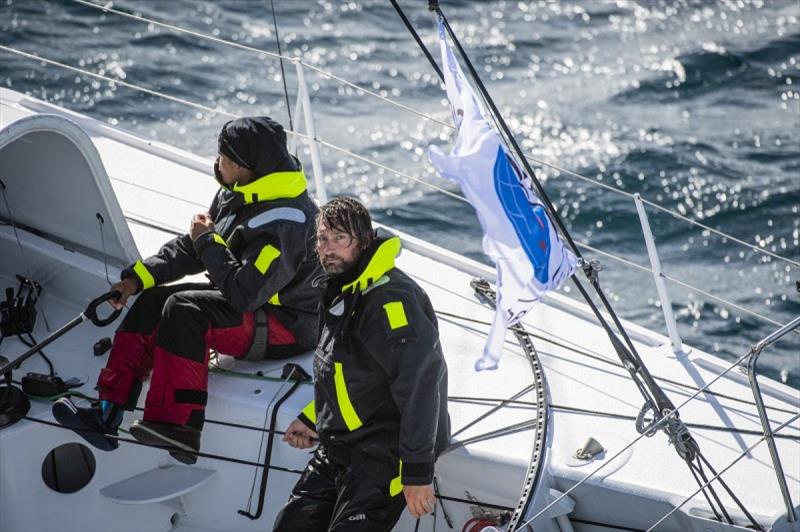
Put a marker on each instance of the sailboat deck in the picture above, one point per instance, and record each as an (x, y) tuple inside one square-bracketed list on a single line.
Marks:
[(588, 392)]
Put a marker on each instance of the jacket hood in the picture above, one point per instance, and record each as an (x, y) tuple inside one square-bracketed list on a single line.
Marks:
[(257, 143)]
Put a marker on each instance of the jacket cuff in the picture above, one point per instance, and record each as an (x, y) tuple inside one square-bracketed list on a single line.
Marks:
[(127, 273), (140, 274), (309, 416), (210, 238), (417, 473)]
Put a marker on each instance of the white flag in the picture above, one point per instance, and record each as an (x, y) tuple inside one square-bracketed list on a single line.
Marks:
[(517, 233)]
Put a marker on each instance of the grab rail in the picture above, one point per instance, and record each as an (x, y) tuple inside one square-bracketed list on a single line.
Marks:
[(755, 352)]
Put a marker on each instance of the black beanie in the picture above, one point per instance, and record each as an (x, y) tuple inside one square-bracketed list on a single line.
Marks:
[(257, 143)]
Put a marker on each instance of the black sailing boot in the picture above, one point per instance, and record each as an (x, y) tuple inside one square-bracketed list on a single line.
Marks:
[(182, 441), (94, 424)]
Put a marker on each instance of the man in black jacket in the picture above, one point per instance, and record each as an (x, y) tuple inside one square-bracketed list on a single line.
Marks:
[(380, 407), (256, 245)]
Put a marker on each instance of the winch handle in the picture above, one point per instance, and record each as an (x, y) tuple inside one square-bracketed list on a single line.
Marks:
[(91, 310)]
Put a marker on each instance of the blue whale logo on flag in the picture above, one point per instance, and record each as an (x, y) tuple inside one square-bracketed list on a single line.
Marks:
[(529, 221)]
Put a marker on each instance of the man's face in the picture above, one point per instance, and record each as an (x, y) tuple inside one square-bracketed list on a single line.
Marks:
[(230, 171), (338, 251)]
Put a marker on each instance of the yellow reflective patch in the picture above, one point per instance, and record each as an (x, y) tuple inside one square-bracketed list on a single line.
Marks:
[(310, 411), (396, 314), (273, 186), (396, 485), (219, 240), (349, 415), (145, 276), (268, 254), (274, 300)]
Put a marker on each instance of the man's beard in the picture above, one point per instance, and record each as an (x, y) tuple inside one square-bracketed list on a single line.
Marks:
[(337, 266)]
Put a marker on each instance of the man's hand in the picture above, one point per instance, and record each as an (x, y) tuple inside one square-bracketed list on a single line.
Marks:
[(299, 436), (420, 499), (201, 224), (126, 287)]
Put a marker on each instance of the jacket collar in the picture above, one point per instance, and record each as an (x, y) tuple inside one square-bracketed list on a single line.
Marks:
[(277, 185), (375, 261)]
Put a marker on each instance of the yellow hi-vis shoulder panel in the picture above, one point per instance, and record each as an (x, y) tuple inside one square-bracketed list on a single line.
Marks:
[(381, 262), (273, 186), (310, 411), (141, 271), (396, 485), (396, 314), (349, 415), (268, 254), (275, 300), (219, 240)]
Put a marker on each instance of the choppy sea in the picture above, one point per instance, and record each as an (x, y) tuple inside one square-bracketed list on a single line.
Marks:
[(693, 104)]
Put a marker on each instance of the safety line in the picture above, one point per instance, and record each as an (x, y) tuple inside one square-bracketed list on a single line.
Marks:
[(199, 454), (655, 427), (610, 362), (377, 165), (716, 476), (316, 69)]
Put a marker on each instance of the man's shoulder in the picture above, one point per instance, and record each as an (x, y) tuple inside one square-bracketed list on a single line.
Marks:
[(394, 285), (284, 213)]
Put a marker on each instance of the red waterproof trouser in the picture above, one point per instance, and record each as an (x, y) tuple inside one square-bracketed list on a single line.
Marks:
[(170, 330)]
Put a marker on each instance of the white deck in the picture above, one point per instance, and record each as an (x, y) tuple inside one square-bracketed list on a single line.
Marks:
[(166, 186)]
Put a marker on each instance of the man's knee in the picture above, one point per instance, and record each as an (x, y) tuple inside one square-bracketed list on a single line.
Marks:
[(303, 513), (145, 313), (181, 307)]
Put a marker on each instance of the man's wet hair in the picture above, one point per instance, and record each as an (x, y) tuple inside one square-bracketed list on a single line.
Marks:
[(348, 215)]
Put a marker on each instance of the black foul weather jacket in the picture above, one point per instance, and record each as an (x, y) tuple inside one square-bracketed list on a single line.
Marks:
[(381, 378), (262, 250)]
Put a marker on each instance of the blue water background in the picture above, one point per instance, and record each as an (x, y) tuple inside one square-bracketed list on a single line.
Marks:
[(693, 104)]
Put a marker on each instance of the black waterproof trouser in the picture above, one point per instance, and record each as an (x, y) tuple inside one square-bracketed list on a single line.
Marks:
[(343, 491), (168, 332)]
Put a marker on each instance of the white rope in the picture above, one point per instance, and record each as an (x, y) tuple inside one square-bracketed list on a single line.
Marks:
[(656, 426), (273, 55), (119, 82), (681, 283), (370, 162), (396, 172), (720, 233), (708, 482), (182, 30), (432, 119)]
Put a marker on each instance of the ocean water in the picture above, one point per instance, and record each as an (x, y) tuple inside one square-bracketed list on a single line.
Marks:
[(693, 104)]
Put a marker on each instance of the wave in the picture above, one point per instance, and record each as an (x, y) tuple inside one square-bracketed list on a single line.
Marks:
[(710, 71)]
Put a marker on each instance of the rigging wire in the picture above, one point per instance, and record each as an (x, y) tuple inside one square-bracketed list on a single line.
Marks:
[(577, 350), (309, 66), (280, 59), (655, 205), (421, 114), (718, 475), (381, 166), (255, 464), (657, 403), (654, 427)]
